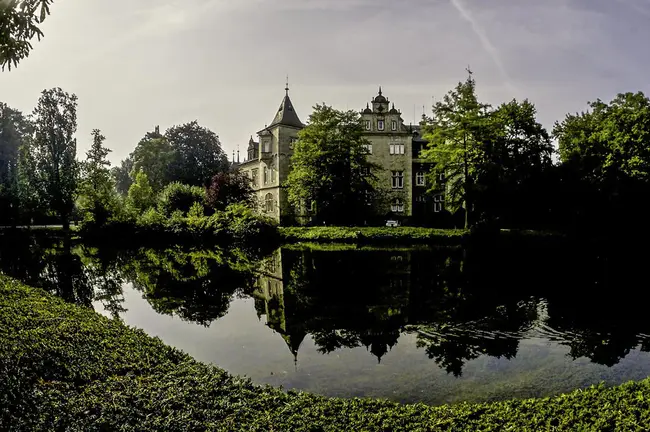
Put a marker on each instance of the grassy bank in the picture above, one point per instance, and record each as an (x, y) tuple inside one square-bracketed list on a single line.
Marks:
[(372, 235), (63, 367)]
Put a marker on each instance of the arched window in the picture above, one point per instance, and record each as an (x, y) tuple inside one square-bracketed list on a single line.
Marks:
[(266, 175), (268, 203), (397, 206)]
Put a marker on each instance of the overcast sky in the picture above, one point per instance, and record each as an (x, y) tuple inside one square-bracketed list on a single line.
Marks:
[(135, 64)]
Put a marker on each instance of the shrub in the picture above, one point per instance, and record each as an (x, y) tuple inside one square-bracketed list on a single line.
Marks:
[(179, 197)]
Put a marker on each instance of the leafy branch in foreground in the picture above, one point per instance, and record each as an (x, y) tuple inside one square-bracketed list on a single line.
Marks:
[(19, 24)]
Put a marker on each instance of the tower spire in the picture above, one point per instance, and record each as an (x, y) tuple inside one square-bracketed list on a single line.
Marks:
[(286, 88)]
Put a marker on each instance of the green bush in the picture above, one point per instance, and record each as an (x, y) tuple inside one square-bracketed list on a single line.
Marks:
[(179, 197), (64, 367)]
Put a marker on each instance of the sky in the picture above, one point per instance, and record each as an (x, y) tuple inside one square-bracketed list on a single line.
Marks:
[(138, 64)]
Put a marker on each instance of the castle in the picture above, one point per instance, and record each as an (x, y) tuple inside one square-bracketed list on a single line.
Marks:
[(394, 146)]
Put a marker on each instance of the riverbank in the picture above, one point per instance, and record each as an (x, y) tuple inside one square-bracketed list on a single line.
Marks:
[(71, 368), (407, 235)]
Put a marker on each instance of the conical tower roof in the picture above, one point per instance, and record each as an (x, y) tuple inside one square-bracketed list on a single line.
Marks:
[(286, 115)]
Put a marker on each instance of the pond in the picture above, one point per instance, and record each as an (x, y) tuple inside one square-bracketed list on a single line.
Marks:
[(433, 325)]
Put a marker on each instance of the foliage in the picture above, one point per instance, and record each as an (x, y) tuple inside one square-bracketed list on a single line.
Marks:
[(610, 142), (141, 195), (54, 151), (122, 176), (14, 130), (198, 155), (331, 176), (154, 156), (456, 134), (97, 199), (229, 188), (70, 368), (179, 197), (19, 24), (371, 234)]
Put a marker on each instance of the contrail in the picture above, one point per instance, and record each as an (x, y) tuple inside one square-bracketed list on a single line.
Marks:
[(485, 41)]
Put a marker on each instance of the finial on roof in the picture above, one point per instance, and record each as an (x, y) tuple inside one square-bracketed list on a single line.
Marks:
[(379, 90), (286, 89), (233, 155), (367, 105), (237, 153), (393, 105)]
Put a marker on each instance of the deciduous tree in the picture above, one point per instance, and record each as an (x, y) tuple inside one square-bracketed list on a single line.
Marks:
[(19, 24), (54, 152), (331, 174), (229, 188)]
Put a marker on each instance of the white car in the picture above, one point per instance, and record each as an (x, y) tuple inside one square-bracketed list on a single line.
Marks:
[(392, 223)]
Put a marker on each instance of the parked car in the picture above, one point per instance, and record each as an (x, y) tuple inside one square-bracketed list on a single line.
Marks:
[(392, 223)]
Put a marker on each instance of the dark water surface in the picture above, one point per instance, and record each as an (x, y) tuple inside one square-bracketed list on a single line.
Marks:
[(436, 325)]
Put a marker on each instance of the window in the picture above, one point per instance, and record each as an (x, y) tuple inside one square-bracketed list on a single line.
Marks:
[(421, 198), (367, 124), (254, 177), (441, 177), (439, 198), (292, 143), (365, 171), (268, 203), (272, 176), (396, 148), (437, 207), (380, 125), (266, 175), (368, 148), (266, 146), (397, 179), (393, 125), (397, 206), (419, 178)]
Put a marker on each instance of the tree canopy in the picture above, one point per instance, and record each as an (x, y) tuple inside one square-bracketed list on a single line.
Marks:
[(331, 176)]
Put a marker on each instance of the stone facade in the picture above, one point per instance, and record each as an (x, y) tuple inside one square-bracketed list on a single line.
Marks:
[(394, 146)]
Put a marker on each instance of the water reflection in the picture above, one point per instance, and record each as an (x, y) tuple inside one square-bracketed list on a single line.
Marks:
[(452, 305)]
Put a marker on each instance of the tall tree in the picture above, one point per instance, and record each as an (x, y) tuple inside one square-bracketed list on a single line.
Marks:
[(456, 134), (517, 155), (19, 24), (607, 149), (198, 155), (331, 174), (14, 130), (97, 197), (54, 151)]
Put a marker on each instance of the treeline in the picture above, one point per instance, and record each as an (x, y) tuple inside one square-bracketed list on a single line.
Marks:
[(499, 166), (172, 182)]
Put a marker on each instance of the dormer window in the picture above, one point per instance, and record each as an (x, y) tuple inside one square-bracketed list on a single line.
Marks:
[(266, 146), (380, 125), (393, 125)]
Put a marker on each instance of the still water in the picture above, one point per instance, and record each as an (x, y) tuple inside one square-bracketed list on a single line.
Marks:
[(431, 325)]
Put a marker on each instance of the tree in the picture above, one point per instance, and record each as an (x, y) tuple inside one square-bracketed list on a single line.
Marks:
[(19, 24), (456, 135), (122, 176), (607, 150), (228, 188), (141, 196), (54, 152), (330, 173), (14, 130), (97, 190), (198, 155), (154, 155), (517, 155)]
